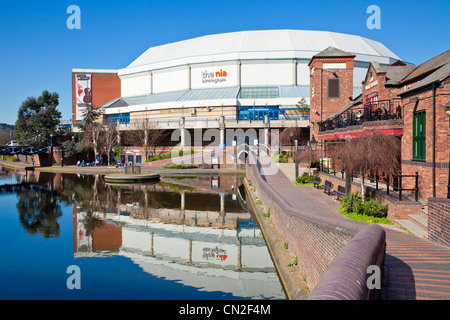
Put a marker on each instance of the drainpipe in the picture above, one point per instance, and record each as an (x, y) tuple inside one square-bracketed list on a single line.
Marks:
[(434, 140)]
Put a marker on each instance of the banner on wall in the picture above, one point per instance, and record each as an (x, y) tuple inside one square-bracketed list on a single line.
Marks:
[(83, 93)]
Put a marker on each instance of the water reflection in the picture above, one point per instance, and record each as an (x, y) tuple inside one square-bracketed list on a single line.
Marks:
[(195, 231)]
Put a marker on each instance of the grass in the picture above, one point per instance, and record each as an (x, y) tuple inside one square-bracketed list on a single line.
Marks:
[(303, 184), (294, 262), (178, 166), (364, 218)]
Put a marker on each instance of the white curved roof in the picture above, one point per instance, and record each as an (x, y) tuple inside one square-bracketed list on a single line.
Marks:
[(257, 45)]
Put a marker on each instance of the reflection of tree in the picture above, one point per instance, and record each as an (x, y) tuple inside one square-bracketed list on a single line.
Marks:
[(91, 222), (38, 213)]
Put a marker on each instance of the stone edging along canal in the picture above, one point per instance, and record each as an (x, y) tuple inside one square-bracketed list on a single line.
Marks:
[(112, 170), (291, 277)]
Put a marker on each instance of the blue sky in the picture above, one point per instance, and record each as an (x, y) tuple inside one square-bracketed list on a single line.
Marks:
[(38, 51)]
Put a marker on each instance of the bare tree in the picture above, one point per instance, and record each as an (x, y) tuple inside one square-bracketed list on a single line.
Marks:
[(110, 137), (370, 152), (5, 136), (147, 135), (92, 137), (307, 156)]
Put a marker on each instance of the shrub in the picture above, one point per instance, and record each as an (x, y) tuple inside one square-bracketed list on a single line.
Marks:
[(178, 166), (353, 204), (306, 178), (282, 157)]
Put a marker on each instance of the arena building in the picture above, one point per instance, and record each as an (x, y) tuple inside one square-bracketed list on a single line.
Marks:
[(238, 80)]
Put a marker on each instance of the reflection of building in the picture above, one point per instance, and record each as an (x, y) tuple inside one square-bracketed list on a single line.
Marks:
[(212, 250)]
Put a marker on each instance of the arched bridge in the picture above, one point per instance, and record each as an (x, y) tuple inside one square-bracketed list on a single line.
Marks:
[(7, 150)]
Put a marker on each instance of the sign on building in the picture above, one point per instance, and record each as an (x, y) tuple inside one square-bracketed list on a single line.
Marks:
[(83, 93)]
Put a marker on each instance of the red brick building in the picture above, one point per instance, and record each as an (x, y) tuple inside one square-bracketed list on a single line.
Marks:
[(93, 86), (403, 100), (331, 84)]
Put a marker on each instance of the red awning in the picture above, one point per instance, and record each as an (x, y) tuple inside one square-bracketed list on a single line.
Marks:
[(395, 132)]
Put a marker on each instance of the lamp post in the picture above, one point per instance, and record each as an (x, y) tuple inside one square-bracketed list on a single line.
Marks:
[(447, 112), (313, 145), (51, 147), (292, 151)]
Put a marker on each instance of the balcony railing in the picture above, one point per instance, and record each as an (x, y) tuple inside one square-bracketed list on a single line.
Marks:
[(373, 111)]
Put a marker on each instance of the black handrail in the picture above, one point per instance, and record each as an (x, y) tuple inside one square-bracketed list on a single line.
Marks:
[(373, 111), (395, 186)]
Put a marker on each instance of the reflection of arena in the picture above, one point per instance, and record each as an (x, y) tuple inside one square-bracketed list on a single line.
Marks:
[(169, 235)]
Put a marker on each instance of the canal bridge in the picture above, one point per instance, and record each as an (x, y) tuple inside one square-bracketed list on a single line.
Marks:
[(29, 150)]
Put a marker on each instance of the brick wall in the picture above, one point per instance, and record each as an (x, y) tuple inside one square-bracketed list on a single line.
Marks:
[(439, 220), (442, 142), (318, 241), (321, 107), (105, 87)]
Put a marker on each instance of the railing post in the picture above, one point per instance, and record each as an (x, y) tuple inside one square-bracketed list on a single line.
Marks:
[(376, 180), (387, 186), (400, 186), (417, 186)]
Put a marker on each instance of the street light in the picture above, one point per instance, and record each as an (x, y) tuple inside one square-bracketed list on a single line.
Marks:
[(292, 151), (313, 145)]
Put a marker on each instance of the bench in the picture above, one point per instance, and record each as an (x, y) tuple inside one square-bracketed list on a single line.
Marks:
[(328, 186), (317, 182), (205, 166), (340, 192)]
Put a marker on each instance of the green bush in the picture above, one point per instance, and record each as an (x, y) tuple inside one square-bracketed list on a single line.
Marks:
[(178, 166), (306, 178), (353, 204), (282, 157)]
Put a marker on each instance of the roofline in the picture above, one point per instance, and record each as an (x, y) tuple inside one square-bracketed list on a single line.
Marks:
[(95, 70)]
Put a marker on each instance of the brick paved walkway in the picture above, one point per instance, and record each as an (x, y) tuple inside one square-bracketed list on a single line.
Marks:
[(415, 268)]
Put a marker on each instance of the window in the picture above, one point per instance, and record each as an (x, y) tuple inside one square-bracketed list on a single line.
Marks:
[(259, 93), (419, 136), (333, 88)]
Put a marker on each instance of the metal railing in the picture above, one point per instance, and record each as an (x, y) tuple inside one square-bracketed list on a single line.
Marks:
[(200, 119), (394, 182), (373, 111)]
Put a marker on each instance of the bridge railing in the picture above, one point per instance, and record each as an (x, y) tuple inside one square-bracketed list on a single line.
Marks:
[(334, 252), (27, 150)]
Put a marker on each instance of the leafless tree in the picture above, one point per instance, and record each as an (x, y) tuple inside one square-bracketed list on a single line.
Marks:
[(110, 137), (4, 136), (147, 135), (307, 156), (371, 152), (92, 137)]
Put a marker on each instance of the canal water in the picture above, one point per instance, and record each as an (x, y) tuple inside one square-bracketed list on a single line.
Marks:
[(67, 236)]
